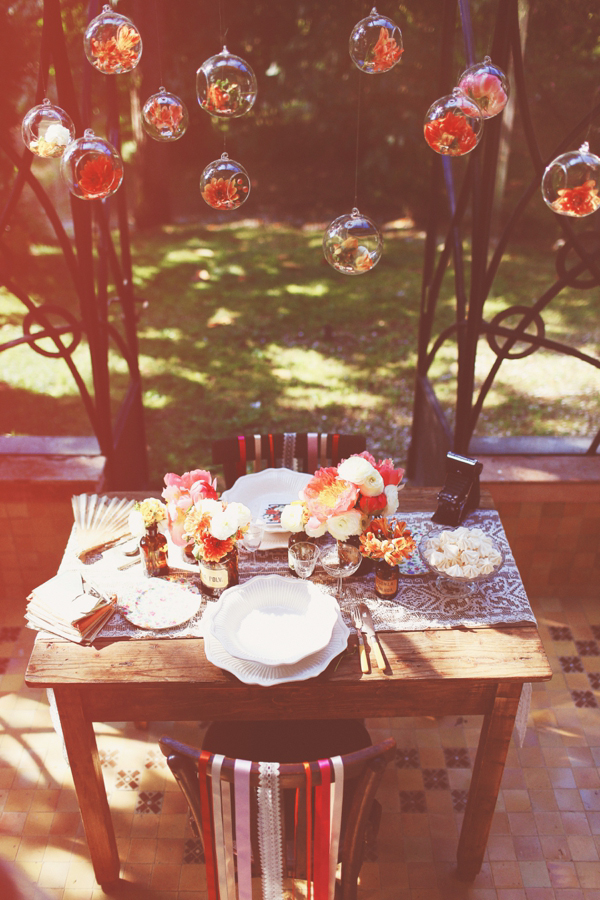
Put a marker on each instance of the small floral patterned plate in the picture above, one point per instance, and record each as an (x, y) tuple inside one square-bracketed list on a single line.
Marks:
[(157, 604)]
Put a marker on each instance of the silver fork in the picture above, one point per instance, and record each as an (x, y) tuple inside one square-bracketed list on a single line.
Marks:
[(362, 652)]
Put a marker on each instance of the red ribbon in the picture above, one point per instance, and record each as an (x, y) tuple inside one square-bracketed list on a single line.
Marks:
[(241, 464), (335, 449), (322, 836), (207, 828), (271, 452)]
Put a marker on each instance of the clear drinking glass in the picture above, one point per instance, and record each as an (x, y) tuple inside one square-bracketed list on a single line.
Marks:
[(341, 560), (303, 558), (253, 538)]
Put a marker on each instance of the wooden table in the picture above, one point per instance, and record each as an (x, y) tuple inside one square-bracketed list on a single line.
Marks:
[(433, 673)]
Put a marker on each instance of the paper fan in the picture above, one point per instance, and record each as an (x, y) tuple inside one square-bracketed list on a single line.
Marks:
[(100, 520)]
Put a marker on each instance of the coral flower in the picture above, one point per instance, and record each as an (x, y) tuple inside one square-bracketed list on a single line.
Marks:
[(222, 193), (328, 495), (165, 115), (578, 201), (386, 52), (98, 178), (450, 134), (119, 53), (388, 540), (218, 99), (486, 91), (363, 261)]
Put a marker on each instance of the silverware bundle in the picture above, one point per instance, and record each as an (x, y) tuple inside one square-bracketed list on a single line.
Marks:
[(363, 622)]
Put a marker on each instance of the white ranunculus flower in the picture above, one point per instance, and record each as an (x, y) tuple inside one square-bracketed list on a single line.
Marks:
[(345, 524), (391, 492), (57, 134), (207, 505), (240, 512), (372, 486), (357, 469), (315, 530), (223, 526), (292, 517)]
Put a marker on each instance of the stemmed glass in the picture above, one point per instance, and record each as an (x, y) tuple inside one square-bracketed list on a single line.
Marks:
[(341, 560), (303, 558), (252, 538)]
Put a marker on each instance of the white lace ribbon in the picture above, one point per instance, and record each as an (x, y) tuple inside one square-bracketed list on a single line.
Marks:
[(269, 830)]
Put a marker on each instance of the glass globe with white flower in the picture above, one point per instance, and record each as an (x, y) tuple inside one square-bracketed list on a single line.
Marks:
[(47, 130)]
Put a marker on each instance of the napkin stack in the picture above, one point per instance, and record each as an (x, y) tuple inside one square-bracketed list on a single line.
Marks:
[(69, 607)]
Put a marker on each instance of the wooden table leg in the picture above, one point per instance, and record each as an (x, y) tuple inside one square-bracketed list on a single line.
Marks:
[(494, 740), (82, 751)]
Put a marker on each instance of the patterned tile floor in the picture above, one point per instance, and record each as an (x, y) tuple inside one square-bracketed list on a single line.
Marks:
[(545, 840)]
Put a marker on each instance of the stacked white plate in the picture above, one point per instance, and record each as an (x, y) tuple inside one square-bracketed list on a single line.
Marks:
[(273, 629)]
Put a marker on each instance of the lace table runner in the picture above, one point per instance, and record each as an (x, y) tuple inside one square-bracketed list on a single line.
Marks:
[(418, 606)]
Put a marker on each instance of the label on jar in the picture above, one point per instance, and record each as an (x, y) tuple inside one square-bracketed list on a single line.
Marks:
[(386, 588), (214, 578)]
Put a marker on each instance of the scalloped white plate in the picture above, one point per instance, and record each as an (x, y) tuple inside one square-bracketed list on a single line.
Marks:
[(274, 620), (257, 673), (266, 493)]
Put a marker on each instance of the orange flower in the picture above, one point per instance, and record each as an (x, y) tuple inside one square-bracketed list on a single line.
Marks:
[(580, 201), (222, 193), (118, 53), (98, 178), (165, 115), (450, 134), (388, 540), (386, 52), (362, 261), (217, 98), (212, 550)]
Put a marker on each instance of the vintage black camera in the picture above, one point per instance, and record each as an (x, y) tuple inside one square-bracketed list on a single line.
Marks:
[(460, 493)]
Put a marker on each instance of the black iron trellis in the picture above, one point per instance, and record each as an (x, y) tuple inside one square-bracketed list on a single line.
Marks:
[(432, 436), (93, 262)]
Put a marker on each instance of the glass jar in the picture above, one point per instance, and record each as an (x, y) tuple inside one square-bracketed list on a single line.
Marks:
[(216, 576), (366, 565), (297, 537), (154, 548), (386, 580)]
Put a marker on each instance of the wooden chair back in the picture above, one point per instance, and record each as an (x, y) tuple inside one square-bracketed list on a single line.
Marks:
[(363, 771), (305, 452)]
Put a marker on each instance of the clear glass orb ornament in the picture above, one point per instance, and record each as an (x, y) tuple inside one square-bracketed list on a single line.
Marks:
[(46, 130), (224, 184), (571, 183), (226, 86), (91, 167), (112, 43), (376, 44), (352, 244), (487, 86), (164, 116), (453, 125)]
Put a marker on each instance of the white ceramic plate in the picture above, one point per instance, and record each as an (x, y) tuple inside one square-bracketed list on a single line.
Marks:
[(156, 603), (257, 673), (266, 493), (274, 620)]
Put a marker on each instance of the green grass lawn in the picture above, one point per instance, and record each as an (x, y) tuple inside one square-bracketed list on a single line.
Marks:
[(246, 328)]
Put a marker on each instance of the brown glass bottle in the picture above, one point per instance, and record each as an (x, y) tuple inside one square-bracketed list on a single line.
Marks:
[(154, 548), (217, 576), (386, 580)]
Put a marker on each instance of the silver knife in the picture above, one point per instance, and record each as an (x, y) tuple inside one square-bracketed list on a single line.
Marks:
[(369, 630)]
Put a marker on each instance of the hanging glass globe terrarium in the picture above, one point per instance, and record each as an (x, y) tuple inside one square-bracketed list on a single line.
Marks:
[(352, 244), (112, 43), (571, 183), (91, 167), (453, 125), (46, 130), (487, 86), (224, 184), (376, 44), (164, 116), (226, 86)]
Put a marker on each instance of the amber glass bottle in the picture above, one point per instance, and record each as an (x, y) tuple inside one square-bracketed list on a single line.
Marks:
[(386, 580), (154, 547)]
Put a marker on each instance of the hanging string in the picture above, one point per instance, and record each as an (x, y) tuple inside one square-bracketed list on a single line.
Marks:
[(221, 35), (595, 98), (158, 44), (357, 141)]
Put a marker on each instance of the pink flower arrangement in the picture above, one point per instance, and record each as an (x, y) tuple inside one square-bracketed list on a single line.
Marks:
[(486, 90), (180, 493), (342, 499)]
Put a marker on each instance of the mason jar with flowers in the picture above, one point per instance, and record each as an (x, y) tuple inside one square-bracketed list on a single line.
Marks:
[(342, 500), (180, 493), (148, 516), (213, 528), (388, 542)]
